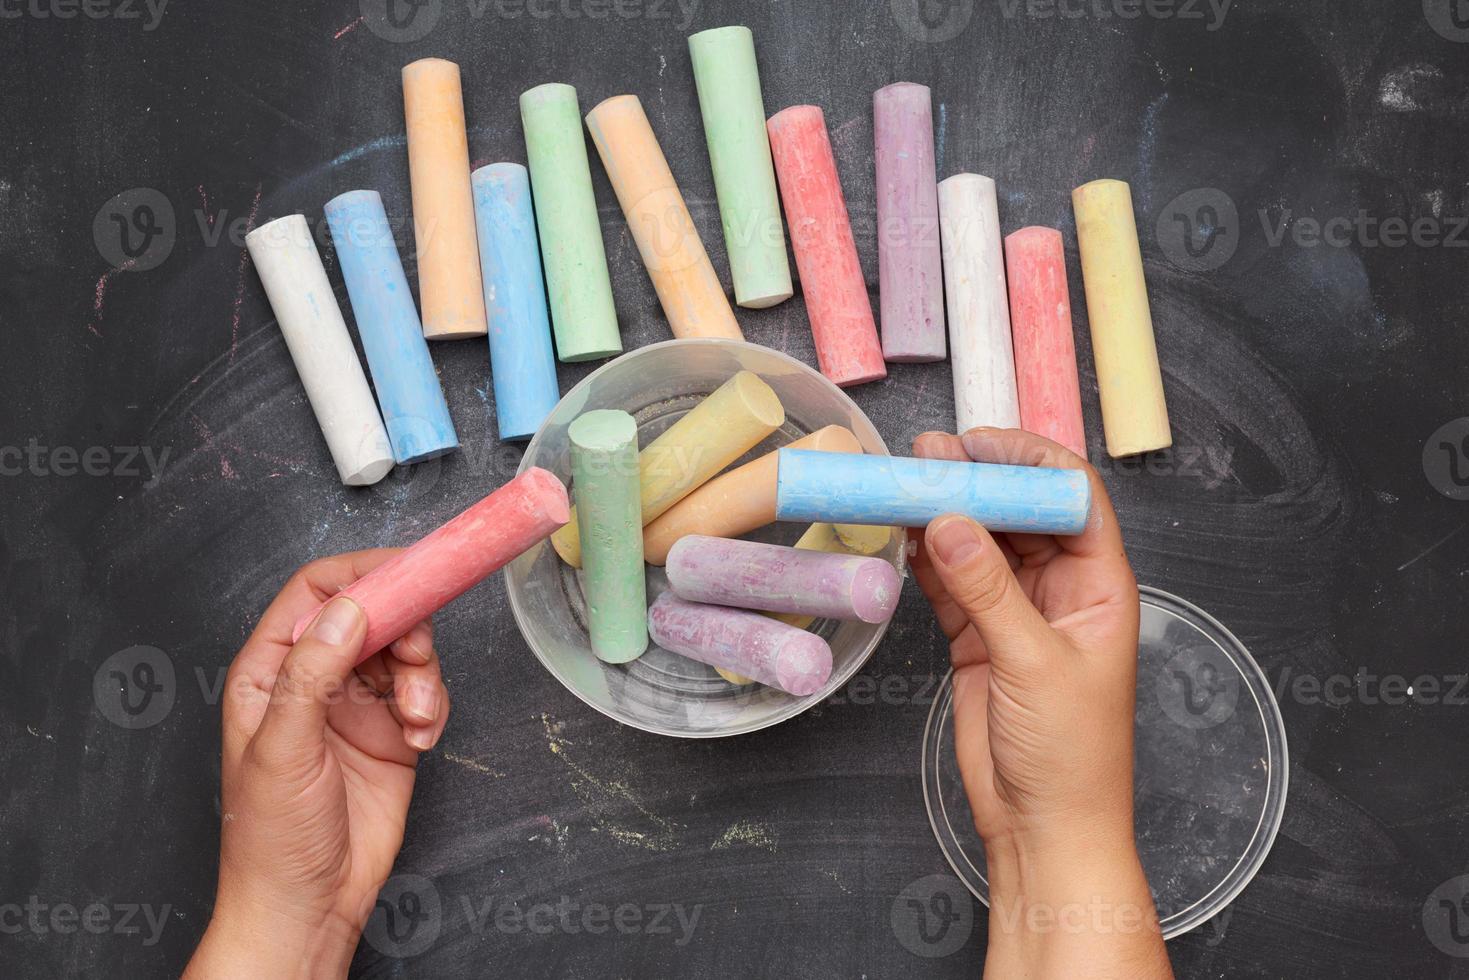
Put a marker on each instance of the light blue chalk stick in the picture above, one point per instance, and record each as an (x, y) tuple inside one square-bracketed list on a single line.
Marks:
[(845, 488), (408, 390), (522, 362)]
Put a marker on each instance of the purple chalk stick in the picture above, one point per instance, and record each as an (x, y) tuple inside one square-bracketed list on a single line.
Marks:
[(745, 643), (909, 257), (750, 575)]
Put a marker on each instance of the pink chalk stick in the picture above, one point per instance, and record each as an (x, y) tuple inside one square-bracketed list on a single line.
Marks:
[(449, 561), (909, 257), (728, 572), (847, 348), (1045, 349), (745, 643)]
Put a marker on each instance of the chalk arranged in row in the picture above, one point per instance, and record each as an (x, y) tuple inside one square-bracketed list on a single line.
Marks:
[(580, 286), (751, 575), (443, 211), (604, 480), (305, 306), (450, 560), (728, 82), (980, 351), (847, 347), (731, 421), (693, 298), (522, 362), (1046, 379), (889, 490), (403, 374), (744, 643), (909, 257), (1134, 412)]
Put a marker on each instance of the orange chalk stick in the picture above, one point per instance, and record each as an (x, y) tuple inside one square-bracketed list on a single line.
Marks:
[(693, 298), (449, 291)]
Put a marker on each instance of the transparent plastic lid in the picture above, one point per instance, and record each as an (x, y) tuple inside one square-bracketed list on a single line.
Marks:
[(1210, 773)]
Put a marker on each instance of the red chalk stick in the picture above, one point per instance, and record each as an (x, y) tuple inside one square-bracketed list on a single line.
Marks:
[(449, 561), (1040, 326), (847, 348)]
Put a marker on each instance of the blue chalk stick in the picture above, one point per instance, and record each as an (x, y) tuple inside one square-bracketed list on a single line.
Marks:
[(845, 488), (403, 374), (522, 362)]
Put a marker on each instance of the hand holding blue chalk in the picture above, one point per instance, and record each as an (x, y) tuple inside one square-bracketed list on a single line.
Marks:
[(850, 489)]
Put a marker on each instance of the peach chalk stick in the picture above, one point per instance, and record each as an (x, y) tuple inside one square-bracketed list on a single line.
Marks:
[(842, 327), (306, 308), (1134, 411), (747, 643), (818, 537), (446, 563), (1045, 348), (909, 260), (736, 502), (753, 575), (692, 297), (443, 206), (719, 430), (979, 313)]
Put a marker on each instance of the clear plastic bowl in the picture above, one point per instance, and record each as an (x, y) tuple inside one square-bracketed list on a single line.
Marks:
[(662, 692), (1210, 767)]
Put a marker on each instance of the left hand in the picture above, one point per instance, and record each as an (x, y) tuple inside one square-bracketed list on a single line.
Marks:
[(318, 769)]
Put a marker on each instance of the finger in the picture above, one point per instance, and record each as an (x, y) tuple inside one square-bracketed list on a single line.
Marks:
[(260, 659), (314, 675), (977, 578), (415, 694), (1103, 536), (416, 646), (951, 619)]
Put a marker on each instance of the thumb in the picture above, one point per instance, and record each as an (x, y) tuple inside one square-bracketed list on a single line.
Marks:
[(313, 677), (978, 579)]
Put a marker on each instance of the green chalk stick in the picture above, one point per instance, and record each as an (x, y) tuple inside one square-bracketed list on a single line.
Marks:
[(739, 151), (582, 315), (605, 482)]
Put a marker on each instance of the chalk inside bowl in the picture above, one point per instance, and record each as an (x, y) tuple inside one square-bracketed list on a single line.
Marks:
[(685, 687)]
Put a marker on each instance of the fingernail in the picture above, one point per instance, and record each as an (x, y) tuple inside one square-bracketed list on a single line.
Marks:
[(955, 541), (975, 440), (336, 622), (422, 700), (421, 739)]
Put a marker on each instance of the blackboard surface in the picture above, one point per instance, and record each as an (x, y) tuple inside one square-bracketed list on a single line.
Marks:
[(1307, 503)]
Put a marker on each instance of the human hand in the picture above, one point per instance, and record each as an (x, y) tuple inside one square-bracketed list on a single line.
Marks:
[(1043, 637), (318, 769)]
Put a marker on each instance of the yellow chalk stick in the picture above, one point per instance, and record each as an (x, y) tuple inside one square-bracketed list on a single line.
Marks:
[(738, 501), (691, 294), (863, 539), (718, 431), (1134, 413), (449, 287)]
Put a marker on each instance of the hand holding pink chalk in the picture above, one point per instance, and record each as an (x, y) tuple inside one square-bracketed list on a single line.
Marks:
[(454, 558)]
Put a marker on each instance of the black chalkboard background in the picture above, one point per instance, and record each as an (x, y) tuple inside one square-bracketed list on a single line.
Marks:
[(1308, 503)]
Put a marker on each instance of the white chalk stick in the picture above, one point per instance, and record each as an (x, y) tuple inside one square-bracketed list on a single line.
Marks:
[(978, 308), (311, 321)]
